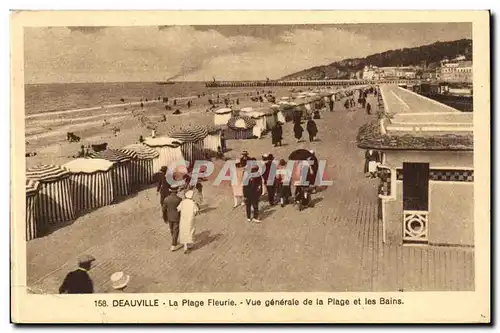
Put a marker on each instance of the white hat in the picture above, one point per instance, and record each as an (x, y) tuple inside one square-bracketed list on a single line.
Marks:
[(119, 280), (189, 194)]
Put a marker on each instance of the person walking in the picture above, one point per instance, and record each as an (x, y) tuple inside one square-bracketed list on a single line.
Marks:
[(223, 142), (283, 179), (268, 160), (298, 130), (312, 129), (279, 134), (188, 209), (163, 187), (238, 184), (172, 216), (368, 108), (79, 281), (251, 192), (330, 102)]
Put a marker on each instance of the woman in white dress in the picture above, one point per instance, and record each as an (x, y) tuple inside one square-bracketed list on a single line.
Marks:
[(188, 209)]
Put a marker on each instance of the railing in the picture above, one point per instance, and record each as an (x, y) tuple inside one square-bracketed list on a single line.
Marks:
[(234, 84), (415, 227)]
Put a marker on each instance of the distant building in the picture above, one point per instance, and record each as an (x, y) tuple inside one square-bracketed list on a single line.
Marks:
[(456, 71)]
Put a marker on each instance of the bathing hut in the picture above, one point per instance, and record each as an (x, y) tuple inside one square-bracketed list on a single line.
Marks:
[(279, 116), (246, 110), (120, 172), (287, 109), (91, 183), (240, 127), (169, 149), (260, 122), (213, 139), (270, 114), (32, 188), (222, 116), (54, 205), (144, 164), (192, 137)]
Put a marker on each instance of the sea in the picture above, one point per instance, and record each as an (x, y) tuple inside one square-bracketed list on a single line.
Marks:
[(67, 96)]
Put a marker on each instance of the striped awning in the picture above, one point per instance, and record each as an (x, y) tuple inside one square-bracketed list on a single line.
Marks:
[(111, 155), (223, 111), (47, 173), (88, 165), (140, 151), (189, 133), (214, 128), (241, 122), (32, 187), (162, 141)]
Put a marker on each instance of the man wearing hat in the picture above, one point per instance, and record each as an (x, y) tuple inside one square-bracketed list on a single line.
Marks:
[(172, 216), (163, 185), (270, 188), (244, 157), (79, 281)]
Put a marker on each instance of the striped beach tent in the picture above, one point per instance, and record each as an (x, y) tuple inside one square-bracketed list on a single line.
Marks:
[(192, 137), (240, 127), (213, 139), (271, 117), (91, 183), (169, 149), (221, 116), (32, 188), (54, 205), (144, 164), (120, 172)]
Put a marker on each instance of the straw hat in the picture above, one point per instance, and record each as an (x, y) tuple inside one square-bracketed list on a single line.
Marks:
[(189, 194), (119, 280)]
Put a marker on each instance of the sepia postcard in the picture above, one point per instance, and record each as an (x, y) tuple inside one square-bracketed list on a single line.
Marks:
[(250, 167)]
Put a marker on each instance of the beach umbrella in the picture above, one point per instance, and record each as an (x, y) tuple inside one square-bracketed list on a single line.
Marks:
[(91, 183), (302, 155), (192, 137), (120, 173), (145, 162), (54, 204), (32, 189)]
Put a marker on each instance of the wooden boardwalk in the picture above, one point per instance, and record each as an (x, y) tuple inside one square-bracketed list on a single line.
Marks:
[(335, 246)]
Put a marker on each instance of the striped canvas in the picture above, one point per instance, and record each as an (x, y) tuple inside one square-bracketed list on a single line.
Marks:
[(91, 190), (168, 155), (193, 151), (120, 175), (31, 218), (239, 134), (54, 205)]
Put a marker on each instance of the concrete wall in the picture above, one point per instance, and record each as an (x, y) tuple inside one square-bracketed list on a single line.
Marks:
[(436, 159), (451, 204)]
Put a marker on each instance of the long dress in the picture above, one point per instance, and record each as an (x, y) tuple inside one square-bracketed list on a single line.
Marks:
[(238, 187), (188, 209)]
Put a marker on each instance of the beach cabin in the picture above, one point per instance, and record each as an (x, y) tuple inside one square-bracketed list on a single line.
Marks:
[(213, 140), (240, 127), (260, 123), (222, 116), (32, 189), (120, 172), (192, 138), (91, 183), (54, 205), (169, 149), (278, 114), (145, 163), (426, 176)]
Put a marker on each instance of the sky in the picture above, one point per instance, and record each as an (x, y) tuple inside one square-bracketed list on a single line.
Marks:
[(199, 53)]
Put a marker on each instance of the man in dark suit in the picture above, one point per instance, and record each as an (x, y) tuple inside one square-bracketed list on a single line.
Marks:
[(79, 281), (172, 216), (163, 185), (251, 192)]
